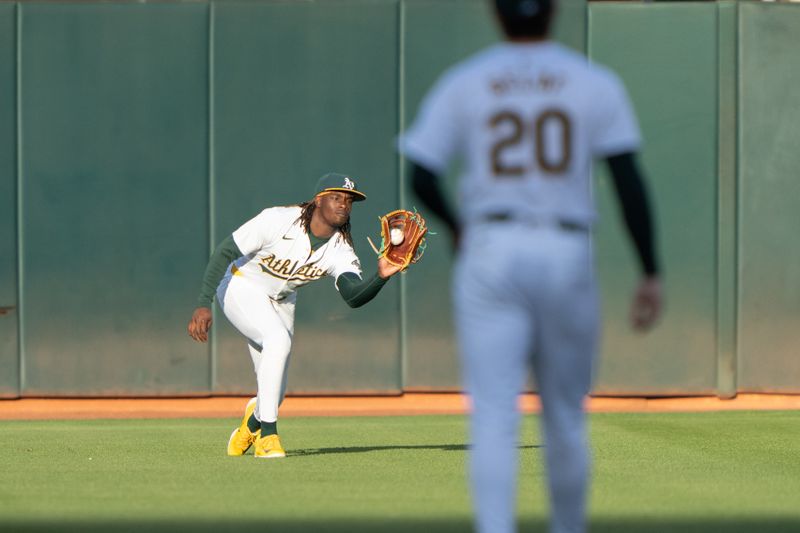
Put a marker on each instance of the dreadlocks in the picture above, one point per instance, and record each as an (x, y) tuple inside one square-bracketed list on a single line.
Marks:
[(307, 210)]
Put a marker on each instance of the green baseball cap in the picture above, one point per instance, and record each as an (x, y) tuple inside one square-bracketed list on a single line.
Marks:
[(339, 182)]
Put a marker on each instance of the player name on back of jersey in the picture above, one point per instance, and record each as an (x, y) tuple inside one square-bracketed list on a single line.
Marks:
[(285, 269), (543, 83)]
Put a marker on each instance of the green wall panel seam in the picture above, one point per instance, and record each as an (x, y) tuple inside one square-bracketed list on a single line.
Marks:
[(20, 230), (736, 207), (585, 21), (726, 200), (737, 180), (212, 181), (401, 182)]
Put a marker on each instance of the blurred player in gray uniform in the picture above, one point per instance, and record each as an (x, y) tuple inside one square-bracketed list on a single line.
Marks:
[(526, 118), (255, 273)]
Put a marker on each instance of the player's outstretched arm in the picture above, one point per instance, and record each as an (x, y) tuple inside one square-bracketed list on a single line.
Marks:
[(223, 255), (356, 292), (632, 195)]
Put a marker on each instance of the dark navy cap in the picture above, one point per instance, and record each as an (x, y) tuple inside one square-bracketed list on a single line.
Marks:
[(522, 9)]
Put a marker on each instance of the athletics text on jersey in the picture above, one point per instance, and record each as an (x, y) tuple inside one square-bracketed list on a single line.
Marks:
[(278, 256)]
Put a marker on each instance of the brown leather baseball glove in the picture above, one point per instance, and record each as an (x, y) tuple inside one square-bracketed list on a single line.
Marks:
[(402, 238)]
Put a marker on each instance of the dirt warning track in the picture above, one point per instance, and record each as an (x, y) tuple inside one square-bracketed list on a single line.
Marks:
[(407, 404)]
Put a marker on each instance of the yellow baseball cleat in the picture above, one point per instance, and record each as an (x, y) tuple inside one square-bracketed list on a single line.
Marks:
[(269, 447), (241, 439)]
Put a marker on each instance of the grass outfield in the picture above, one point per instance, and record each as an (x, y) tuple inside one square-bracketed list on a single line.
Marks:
[(727, 471)]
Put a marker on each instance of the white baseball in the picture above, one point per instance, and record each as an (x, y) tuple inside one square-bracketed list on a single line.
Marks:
[(396, 236)]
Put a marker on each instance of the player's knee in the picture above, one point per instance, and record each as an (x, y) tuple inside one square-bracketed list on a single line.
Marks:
[(277, 346)]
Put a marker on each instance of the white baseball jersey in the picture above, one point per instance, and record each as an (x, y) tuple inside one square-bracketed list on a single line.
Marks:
[(526, 121), (278, 256), (278, 259)]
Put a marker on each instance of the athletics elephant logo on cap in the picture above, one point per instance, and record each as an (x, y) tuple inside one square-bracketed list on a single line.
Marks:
[(339, 182)]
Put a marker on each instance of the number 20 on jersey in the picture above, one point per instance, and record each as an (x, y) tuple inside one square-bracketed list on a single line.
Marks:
[(551, 159)]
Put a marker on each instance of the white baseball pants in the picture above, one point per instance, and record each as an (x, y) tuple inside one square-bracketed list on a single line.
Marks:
[(525, 299), (268, 326)]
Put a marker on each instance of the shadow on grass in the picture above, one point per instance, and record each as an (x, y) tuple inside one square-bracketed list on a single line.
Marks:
[(606, 525), (361, 449)]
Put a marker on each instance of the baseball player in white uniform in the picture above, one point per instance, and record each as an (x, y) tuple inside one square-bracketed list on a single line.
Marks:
[(255, 273), (526, 118)]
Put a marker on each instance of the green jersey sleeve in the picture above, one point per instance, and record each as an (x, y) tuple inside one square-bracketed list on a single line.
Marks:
[(225, 253), (355, 291)]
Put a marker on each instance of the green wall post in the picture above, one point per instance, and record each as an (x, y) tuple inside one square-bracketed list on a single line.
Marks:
[(727, 234), (9, 176)]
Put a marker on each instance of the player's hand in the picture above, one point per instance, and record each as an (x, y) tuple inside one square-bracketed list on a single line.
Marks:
[(647, 303), (385, 269), (200, 324)]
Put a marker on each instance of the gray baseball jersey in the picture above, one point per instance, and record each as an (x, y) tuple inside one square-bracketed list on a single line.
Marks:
[(526, 121)]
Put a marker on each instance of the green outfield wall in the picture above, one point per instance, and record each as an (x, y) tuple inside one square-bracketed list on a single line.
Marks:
[(769, 180), (667, 55), (134, 137)]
